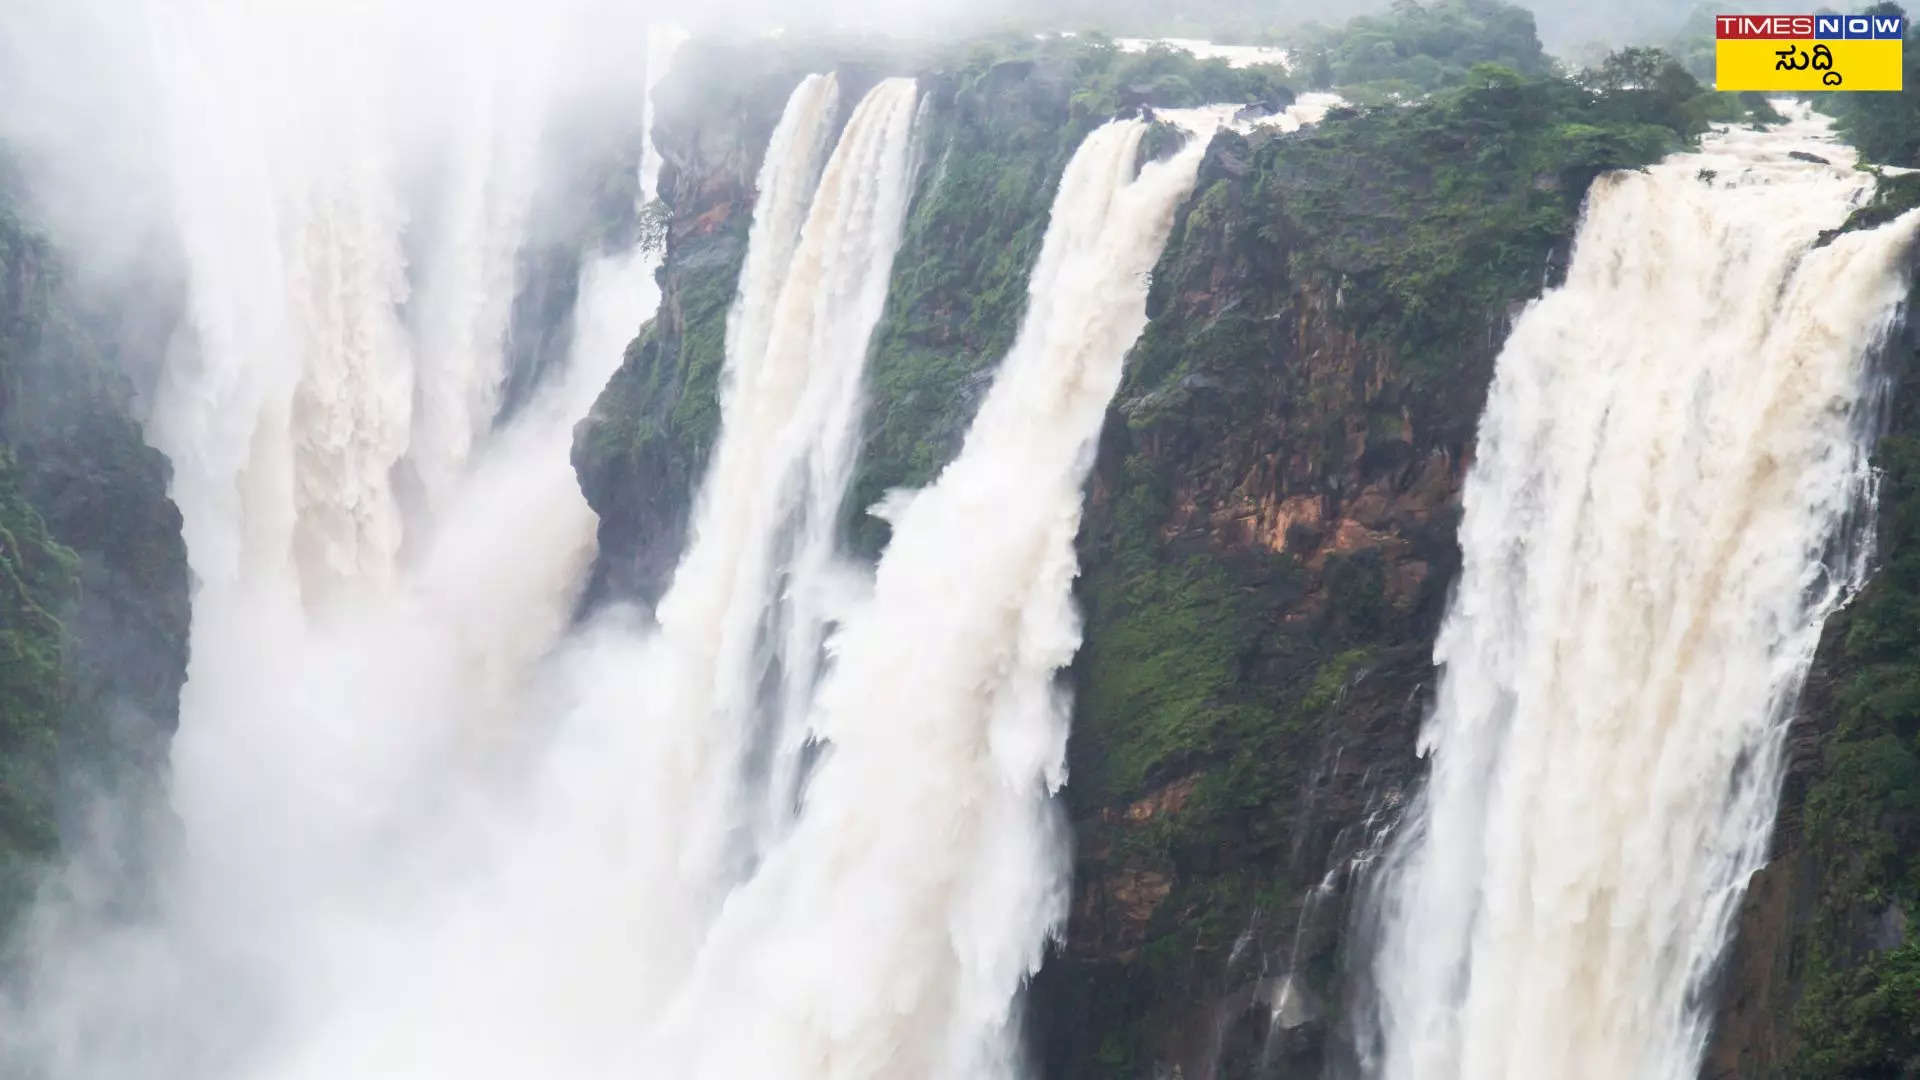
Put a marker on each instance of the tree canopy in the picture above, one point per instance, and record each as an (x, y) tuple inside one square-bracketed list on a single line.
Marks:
[(1884, 127), (1418, 47)]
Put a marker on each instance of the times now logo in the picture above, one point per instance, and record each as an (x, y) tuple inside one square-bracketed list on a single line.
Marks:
[(1787, 27)]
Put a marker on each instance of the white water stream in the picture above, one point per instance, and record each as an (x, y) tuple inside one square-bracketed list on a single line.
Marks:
[(1663, 509)]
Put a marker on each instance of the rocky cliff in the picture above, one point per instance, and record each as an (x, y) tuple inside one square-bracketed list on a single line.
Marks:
[(1270, 530), (1266, 558), (94, 611), (639, 454)]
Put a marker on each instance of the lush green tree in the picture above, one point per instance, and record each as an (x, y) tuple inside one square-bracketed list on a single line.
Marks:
[(1885, 127), (1650, 86), (1418, 47), (1161, 75)]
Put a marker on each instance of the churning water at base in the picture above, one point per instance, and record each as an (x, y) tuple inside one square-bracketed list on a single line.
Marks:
[(1664, 507)]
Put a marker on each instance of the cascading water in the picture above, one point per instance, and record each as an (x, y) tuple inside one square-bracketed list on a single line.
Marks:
[(878, 944), (810, 294), (439, 935), (430, 828), (1662, 511), (339, 694), (461, 314)]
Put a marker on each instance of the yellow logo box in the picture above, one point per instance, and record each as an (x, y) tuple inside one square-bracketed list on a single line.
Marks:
[(1808, 64)]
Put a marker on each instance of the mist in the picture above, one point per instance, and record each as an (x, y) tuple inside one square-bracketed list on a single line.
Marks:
[(344, 194)]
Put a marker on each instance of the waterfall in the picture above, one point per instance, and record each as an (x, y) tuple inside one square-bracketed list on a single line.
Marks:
[(617, 289), (462, 309), (599, 874), (799, 820), (810, 294), (795, 155), (829, 309), (1662, 511), (892, 942), (358, 664)]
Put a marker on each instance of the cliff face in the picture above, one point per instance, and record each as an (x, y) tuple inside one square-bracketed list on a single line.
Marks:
[(93, 650), (1270, 529), (996, 132), (1268, 543), (1823, 977), (1266, 557), (639, 454)]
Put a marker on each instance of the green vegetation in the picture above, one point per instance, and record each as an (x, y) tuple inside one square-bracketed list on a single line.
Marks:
[(1327, 310), (37, 581), (1006, 121), (1860, 1014), (1173, 628), (1111, 80), (1893, 195), (960, 278), (1884, 127), (1415, 48), (667, 389), (1693, 46), (93, 575), (1430, 216), (36, 584), (639, 452)]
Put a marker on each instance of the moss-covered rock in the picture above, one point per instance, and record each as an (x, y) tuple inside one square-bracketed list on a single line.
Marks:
[(999, 138), (1002, 116), (1267, 549), (640, 451), (1893, 194), (95, 619), (38, 579)]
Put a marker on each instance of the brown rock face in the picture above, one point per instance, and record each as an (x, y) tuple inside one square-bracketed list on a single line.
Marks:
[(1121, 903), (1267, 549)]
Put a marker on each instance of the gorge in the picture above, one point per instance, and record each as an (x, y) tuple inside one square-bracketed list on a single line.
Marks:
[(575, 547)]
